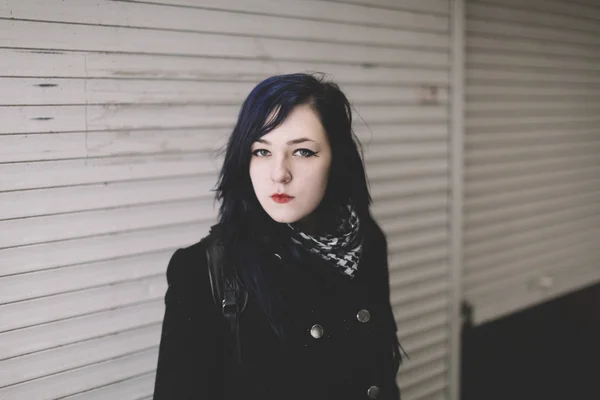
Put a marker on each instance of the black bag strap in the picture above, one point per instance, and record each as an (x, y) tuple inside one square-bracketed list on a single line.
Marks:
[(227, 292)]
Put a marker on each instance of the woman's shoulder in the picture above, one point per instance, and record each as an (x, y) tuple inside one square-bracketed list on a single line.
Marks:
[(189, 264)]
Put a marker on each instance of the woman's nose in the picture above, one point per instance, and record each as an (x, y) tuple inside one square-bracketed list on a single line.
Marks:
[(280, 173)]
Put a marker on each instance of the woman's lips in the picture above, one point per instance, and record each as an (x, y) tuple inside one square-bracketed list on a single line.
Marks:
[(281, 198)]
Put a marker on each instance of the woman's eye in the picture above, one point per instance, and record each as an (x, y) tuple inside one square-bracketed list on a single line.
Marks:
[(305, 153), (260, 153)]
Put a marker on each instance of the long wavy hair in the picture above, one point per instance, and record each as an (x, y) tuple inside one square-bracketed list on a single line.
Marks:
[(242, 219)]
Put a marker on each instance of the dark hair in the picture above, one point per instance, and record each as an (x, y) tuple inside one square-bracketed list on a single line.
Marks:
[(276, 97), (266, 107)]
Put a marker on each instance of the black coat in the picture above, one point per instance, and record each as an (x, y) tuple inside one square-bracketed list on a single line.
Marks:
[(351, 360)]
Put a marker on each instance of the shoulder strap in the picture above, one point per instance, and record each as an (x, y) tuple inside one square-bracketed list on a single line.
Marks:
[(227, 292)]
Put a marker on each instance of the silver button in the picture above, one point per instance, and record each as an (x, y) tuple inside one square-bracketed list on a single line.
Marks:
[(363, 315), (373, 392), (316, 331)]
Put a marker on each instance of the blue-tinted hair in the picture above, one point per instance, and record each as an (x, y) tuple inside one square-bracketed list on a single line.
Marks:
[(265, 108)]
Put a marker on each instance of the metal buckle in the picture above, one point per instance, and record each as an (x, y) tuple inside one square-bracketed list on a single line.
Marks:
[(229, 302)]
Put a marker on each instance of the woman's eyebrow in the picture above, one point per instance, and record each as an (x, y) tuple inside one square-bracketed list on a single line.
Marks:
[(294, 141)]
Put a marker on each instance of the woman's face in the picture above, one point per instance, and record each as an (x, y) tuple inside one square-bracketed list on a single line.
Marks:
[(290, 166)]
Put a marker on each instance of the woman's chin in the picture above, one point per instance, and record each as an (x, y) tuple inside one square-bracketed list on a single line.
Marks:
[(284, 219)]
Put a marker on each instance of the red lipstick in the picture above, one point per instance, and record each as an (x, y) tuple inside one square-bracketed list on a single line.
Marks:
[(281, 198)]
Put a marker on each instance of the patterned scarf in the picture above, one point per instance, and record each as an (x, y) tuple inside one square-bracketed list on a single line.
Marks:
[(342, 249)]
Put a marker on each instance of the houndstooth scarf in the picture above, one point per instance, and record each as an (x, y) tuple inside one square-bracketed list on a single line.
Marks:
[(343, 248)]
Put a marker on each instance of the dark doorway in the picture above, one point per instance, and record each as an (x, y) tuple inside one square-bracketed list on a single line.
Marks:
[(547, 352)]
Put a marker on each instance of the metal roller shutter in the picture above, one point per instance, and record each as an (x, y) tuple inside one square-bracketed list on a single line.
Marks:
[(110, 115), (532, 202)]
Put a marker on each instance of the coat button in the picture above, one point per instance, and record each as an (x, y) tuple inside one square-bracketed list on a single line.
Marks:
[(316, 331), (363, 316), (373, 392)]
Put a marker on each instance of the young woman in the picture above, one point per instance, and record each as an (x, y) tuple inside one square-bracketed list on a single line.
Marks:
[(297, 232)]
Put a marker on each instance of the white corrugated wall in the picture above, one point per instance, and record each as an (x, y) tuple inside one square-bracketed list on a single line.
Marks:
[(532, 205), (111, 111)]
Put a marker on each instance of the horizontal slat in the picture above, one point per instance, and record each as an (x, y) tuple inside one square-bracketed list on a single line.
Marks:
[(574, 189), (77, 355), (130, 389), (555, 240), (433, 385), (417, 274), (562, 106), (406, 204), (56, 36), (558, 266), (539, 259), (503, 155), (423, 373), (500, 302), (151, 116), (488, 42), (412, 293), (376, 152), (37, 284), (556, 7), (416, 257), (31, 203), (590, 4), (400, 133), (114, 116), (534, 18), (436, 321), (423, 306), (419, 368), (71, 252), (403, 170), (155, 17), (532, 137), (50, 146), (425, 6), (483, 187), (54, 334), (33, 63), (34, 230), (551, 215), (395, 113), (558, 99), (320, 10), (479, 59), (440, 394), (49, 91), (391, 190), (421, 359), (424, 340), (66, 383), (515, 168), (529, 76), (541, 110), (425, 238), (518, 30), (47, 309), (409, 224), (482, 91), (486, 121), (47, 174)]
